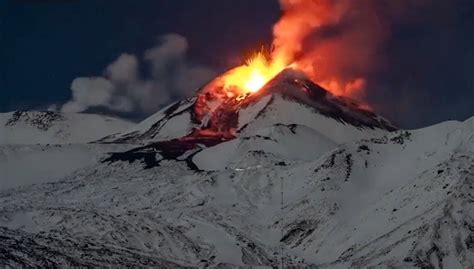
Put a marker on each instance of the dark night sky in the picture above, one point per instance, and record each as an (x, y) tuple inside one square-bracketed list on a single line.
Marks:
[(428, 75)]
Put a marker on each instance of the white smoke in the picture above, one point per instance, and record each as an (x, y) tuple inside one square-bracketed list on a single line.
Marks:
[(123, 89)]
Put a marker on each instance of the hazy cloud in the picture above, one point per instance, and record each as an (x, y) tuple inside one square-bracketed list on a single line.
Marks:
[(87, 92), (122, 88), (124, 69)]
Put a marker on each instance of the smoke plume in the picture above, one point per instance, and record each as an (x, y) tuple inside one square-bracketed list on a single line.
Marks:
[(123, 89), (337, 42)]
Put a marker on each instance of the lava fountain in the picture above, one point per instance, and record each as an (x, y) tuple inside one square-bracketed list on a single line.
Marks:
[(250, 77), (218, 101)]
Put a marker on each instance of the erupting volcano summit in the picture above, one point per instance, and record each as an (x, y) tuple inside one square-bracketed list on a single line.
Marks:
[(218, 105), (217, 114)]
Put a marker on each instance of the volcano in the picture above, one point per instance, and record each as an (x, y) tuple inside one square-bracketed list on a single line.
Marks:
[(203, 114), (208, 119), (287, 176)]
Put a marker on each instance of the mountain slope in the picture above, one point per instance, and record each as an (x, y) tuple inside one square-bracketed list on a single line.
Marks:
[(182, 130), (37, 147), (401, 200), (291, 176), (290, 98), (280, 142), (22, 165), (36, 127)]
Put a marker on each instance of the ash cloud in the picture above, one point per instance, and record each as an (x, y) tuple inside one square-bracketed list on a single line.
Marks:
[(123, 89), (399, 56), (336, 41)]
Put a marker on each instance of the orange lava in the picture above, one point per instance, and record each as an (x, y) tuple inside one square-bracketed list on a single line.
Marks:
[(252, 76), (324, 61)]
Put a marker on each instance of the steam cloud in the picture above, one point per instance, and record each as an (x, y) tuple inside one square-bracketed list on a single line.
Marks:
[(123, 89)]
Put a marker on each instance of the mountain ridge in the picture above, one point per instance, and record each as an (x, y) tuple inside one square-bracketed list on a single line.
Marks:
[(290, 187)]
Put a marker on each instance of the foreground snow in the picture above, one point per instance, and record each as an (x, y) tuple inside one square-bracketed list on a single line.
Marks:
[(22, 165), (400, 200)]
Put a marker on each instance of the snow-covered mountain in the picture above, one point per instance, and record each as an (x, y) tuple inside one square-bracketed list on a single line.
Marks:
[(46, 146), (292, 176), (47, 127), (290, 98)]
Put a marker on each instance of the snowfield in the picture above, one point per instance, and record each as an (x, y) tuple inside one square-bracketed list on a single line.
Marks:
[(38, 127), (22, 165), (38, 147), (285, 192)]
